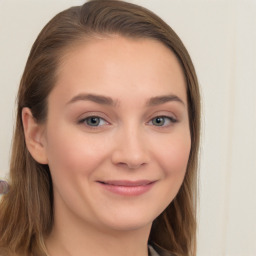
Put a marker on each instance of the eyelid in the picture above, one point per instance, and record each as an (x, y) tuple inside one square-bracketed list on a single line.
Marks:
[(82, 120), (171, 119), (167, 114), (88, 117), (92, 114)]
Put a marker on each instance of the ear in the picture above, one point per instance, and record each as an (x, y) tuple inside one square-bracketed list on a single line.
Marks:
[(34, 137)]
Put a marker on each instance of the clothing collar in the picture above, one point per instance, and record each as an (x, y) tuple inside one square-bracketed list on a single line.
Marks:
[(154, 250)]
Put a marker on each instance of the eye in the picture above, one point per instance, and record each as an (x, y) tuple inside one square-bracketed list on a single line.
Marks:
[(93, 121), (162, 121)]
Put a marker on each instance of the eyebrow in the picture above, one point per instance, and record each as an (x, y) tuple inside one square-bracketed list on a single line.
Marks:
[(104, 100), (100, 99), (164, 99)]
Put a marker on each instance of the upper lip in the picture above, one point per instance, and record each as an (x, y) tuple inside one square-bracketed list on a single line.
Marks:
[(127, 183)]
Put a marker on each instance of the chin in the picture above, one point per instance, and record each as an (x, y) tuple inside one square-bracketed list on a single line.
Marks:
[(128, 225), (128, 222)]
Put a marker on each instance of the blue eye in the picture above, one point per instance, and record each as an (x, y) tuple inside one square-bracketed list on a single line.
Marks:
[(162, 121), (93, 121)]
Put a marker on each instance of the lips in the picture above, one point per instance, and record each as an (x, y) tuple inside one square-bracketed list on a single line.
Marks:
[(127, 183), (127, 187)]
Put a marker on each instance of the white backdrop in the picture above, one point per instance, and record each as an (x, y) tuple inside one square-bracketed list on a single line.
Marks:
[(221, 38)]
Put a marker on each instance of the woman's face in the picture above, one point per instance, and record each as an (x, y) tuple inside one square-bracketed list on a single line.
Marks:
[(117, 136)]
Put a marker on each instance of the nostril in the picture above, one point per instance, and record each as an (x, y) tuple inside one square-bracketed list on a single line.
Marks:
[(131, 151), (133, 166), (129, 160)]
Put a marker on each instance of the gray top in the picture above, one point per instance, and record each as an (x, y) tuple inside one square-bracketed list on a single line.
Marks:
[(157, 251), (152, 252), (4, 187)]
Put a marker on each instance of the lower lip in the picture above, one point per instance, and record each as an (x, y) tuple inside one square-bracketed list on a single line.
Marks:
[(128, 190)]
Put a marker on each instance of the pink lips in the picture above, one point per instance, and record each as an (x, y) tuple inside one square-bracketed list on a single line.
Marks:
[(126, 187)]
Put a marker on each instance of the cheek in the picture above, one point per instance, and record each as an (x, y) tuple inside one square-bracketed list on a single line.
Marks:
[(73, 154), (174, 156), (173, 159)]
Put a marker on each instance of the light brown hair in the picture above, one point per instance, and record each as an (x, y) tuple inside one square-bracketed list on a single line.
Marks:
[(26, 212)]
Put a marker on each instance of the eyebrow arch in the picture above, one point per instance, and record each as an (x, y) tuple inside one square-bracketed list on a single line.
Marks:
[(100, 99), (163, 99), (104, 100)]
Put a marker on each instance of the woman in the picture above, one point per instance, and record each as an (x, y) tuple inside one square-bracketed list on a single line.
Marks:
[(104, 158)]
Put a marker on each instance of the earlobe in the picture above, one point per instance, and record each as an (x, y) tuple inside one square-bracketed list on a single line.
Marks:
[(34, 136)]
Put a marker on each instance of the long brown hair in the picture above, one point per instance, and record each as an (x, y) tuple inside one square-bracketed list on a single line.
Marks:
[(26, 214)]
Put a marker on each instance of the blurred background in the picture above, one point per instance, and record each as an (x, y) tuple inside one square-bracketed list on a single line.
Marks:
[(221, 38)]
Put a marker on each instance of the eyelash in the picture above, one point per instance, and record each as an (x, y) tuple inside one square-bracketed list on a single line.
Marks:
[(169, 119), (87, 119)]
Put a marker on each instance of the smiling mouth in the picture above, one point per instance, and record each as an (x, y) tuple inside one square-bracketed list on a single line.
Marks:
[(126, 187)]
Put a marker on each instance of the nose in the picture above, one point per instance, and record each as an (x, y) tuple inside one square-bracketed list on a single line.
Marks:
[(130, 149)]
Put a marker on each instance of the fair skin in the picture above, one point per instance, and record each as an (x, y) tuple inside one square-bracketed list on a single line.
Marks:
[(117, 142)]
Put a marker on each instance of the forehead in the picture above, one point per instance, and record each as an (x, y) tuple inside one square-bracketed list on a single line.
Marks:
[(107, 65)]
